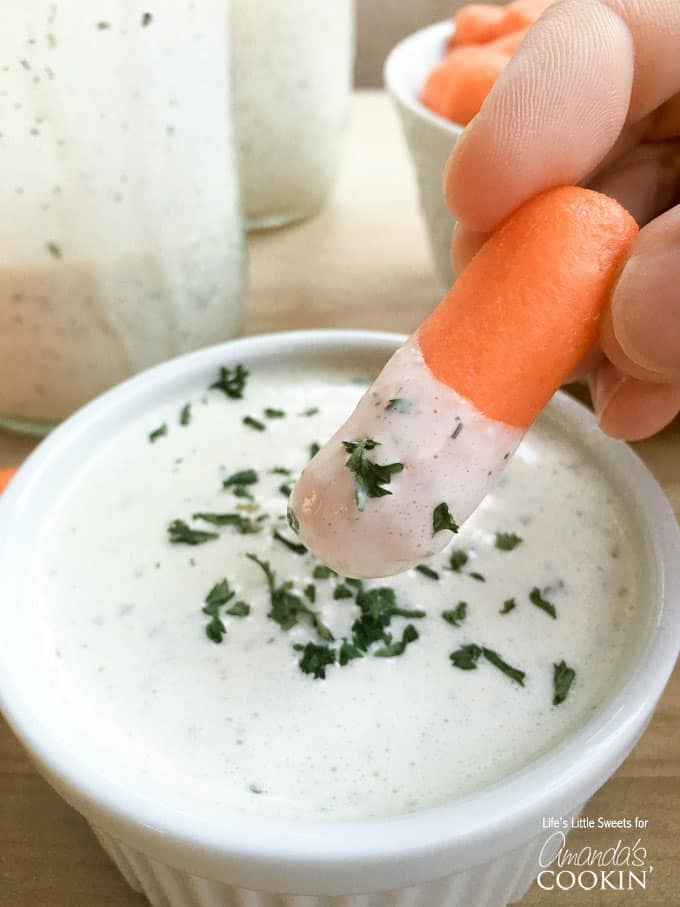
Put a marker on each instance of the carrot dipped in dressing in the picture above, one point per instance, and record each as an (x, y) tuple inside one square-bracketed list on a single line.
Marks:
[(431, 436)]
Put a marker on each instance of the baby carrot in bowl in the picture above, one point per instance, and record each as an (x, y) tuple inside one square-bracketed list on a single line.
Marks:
[(6, 474), (429, 438)]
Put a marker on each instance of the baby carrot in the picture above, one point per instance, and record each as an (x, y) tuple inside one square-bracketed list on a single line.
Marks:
[(525, 310), (6, 474), (457, 86)]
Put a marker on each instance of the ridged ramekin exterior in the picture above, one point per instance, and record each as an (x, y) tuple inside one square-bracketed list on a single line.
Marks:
[(496, 883)]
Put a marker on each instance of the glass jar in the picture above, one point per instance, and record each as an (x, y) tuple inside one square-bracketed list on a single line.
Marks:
[(121, 241), (292, 81)]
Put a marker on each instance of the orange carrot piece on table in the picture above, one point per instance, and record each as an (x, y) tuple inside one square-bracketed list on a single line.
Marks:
[(525, 311)]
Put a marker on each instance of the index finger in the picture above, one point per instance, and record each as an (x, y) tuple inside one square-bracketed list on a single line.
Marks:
[(583, 71)]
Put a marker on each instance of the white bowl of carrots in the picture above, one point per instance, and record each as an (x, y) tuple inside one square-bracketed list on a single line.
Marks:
[(439, 78)]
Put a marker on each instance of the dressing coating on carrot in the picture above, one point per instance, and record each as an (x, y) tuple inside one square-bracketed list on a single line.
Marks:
[(526, 309)]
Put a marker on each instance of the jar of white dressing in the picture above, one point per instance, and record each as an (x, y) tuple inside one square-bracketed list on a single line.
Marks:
[(121, 241), (292, 82)]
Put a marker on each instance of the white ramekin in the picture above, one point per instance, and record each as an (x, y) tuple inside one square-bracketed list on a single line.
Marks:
[(482, 849), (430, 137)]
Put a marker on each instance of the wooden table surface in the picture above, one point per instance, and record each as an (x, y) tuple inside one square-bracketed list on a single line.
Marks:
[(363, 263)]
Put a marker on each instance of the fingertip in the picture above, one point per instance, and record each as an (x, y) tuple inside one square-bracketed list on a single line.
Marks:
[(628, 409)]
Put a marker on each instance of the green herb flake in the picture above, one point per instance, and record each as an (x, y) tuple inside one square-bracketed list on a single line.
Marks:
[(537, 599), (427, 571), (312, 411), (180, 533), (274, 413), (285, 606), (315, 659), (241, 478), (399, 405), (314, 448), (321, 571), (455, 616), (253, 423), (466, 657), (241, 491), (286, 489), (219, 595), (370, 478), (310, 592), (185, 414), (281, 471), (231, 381), (457, 559), (244, 525), (496, 660), (393, 648), (157, 433), (215, 629), (563, 677), (478, 576), (442, 519), (54, 250), (146, 20), (293, 521), (348, 651), (507, 541), (295, 547), (103, 26), (238, 609), (458, 429), (508, 605), (342, 591)]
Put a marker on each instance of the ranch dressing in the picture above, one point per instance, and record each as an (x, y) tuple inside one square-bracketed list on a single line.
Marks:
[(121, 236), (237, 723)]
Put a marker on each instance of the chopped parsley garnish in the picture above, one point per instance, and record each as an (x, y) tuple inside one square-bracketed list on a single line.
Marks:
[(310, 592), (342, 591), (537, 599), (442, 519), (508, 605), (295, 547), (159, 432), (244, 525), (478, 576), (215, 629), (232, 381), (466, 657), (455, 616), (293, 521), (507, 541), (220, 594), (370, 477), (286, 489), (181, 533), (312, 411), (458, 429), (285, 606), (274, 413), (241, 478), (315, 659), (321, 571), (238, 609), (348, 651), (103, 26), (427, 571), (185, 414), (146, 19), (314, 448), (496, 660), (281, 471), (457, 559), (563, 677), (254, 423), (241, 491), (399, 405), (54, 249), (392, 647)]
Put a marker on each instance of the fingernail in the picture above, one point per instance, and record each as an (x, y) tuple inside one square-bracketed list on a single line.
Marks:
[(646, 313), (605, 383)]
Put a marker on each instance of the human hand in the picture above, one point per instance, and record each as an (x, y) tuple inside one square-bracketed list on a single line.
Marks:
[(592, 96)]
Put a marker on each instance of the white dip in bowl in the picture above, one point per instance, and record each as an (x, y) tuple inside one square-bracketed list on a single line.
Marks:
[(320, 739)]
